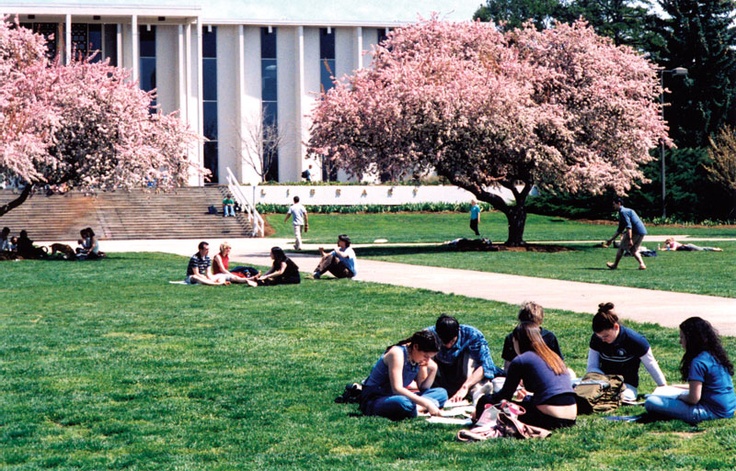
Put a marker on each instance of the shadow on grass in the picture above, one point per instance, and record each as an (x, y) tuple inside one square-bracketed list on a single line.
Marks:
[(376, 251)]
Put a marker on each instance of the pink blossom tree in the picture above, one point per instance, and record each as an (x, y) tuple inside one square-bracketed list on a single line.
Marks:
[(562, 109), (83, 125)]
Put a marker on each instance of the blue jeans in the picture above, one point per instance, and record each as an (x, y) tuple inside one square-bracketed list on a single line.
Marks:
[(228, 210), (401, 407), (677, 409)]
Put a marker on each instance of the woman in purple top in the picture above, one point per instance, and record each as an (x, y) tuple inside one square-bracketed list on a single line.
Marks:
[(386, 392), (708, 371), (544, 374)]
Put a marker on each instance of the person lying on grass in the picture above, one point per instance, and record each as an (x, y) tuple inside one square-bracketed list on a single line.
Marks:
[(671, 244), (708, 370), (552, 403), (386, 392)]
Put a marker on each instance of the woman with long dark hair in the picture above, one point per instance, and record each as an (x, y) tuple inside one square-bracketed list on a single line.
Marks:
[(552, 404), (283, 270), (386, 392), (708, 371)]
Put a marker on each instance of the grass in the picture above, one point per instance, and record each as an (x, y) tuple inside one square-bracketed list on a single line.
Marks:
[(441, 227), (107, 366), (691, 272)]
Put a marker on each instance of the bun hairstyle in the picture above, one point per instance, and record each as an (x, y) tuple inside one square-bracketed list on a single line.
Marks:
[(605, 319), (531, 312)]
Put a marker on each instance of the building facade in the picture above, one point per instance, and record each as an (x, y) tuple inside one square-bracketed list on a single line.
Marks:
[(244, 74)]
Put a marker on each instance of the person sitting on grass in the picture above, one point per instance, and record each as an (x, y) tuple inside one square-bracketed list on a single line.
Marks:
[(220, 265), (283, 270), (618, 350), (340, 262), (671, 244), (534, 313), (464, 361), (708, 370), (199, 270), (386, 392), (90, 245), (552, 403)]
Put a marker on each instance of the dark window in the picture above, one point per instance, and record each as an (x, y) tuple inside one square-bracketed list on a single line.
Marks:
[(209, 109), (209, 78), (269, 101), (326, 58), (268, 44), (111, 44), (381, 35), (210, 160), (94, 42), (209, 101), (147, 40), (147, 60), (269, 88)]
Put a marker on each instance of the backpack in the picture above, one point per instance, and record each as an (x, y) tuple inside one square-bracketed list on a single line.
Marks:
[(351, 395), (597, 392), (305, 174)]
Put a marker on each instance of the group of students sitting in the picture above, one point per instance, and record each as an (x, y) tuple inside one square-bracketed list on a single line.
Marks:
[(88, 247), (340, 262), (451, 362)]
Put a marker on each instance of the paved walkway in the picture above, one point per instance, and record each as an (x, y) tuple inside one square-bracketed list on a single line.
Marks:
[(661, 307)]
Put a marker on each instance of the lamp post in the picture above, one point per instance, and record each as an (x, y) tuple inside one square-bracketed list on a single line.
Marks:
[(676, 72)]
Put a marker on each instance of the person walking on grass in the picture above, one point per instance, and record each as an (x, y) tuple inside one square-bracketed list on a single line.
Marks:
[(299, 219), (474, 216), (633, 231)]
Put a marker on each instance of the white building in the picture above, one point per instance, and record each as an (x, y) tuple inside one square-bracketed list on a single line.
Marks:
[(231, 65)]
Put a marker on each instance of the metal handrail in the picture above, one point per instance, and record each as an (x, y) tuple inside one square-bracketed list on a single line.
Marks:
[(249, 209)]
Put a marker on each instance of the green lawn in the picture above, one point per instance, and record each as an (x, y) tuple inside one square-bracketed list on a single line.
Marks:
[(692, 272), (107, 366), (440, 227)]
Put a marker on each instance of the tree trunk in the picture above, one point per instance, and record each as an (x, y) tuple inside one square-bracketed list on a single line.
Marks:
[(6, 208), (516, 216)]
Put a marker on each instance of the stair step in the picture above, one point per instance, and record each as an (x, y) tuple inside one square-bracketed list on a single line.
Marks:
[(125, 215)]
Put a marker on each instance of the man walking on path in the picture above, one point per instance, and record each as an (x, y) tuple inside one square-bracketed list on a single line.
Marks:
[(633, 231), (299, 219)]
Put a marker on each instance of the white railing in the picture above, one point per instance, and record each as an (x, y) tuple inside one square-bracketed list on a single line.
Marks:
[(249, 209)]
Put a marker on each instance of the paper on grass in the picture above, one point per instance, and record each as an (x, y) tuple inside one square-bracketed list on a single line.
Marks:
[(669, 391), (462, 421)]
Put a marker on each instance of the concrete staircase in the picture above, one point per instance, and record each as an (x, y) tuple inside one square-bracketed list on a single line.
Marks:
[(125, 215)]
